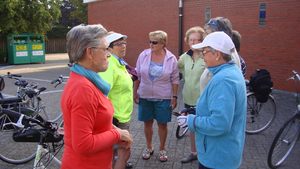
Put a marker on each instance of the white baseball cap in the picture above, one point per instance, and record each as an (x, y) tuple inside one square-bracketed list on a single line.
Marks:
[(217, 40), (113, 37)]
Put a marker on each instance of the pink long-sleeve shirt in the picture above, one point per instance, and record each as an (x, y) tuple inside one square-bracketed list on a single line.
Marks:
[(162, 87)]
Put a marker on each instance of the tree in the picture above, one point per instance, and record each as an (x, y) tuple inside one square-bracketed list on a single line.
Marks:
[(81, 11), (35, 16), (66, 20)]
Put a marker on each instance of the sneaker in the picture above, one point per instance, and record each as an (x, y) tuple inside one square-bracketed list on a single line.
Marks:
[(189, 158)]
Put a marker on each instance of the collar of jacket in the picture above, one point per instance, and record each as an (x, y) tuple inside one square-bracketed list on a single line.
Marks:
[(215, 69), (121, 61)]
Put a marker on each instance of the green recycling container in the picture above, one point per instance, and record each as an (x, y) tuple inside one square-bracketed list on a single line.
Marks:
[(36, 48), (18, 49)]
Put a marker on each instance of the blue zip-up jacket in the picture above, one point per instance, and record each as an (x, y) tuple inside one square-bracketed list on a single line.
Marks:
[(219, 123)]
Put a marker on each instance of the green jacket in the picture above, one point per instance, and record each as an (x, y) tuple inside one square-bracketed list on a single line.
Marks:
[(192, 72), (121, 93)]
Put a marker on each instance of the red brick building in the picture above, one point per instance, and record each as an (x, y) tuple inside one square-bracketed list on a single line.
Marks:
[(269, 28)]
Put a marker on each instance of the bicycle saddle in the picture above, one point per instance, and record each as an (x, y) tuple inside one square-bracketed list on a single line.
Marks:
[(22, 83), (33, 92)]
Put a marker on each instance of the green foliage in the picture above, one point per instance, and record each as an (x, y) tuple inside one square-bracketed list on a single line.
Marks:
[(3, 58), (81, 11), (58, 32), (33, 16)]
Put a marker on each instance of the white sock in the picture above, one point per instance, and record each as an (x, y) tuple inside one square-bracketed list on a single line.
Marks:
[(195, 153)]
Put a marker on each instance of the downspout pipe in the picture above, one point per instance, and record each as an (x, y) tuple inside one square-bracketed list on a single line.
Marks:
[(180, 29)]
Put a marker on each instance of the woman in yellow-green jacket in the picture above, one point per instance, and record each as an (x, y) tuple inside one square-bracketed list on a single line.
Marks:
[(121, 93)]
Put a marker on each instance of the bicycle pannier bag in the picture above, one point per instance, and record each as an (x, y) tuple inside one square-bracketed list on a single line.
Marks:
[(261, 84)]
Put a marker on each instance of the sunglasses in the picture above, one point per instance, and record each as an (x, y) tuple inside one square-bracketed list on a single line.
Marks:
[(212, 22), (153, 42)]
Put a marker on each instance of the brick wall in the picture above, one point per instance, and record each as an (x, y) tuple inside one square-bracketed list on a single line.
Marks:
[(275, 47)]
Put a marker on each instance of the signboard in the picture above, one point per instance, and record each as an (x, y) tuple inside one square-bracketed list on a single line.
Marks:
[(37, 47), (20, 54), (20, 47), (38, 52)]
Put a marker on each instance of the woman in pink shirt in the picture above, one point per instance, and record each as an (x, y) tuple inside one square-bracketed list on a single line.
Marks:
[(157, 87), (87, 111)]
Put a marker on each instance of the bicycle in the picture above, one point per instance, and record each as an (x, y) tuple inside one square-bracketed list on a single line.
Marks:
[(39, 113), (30, 130), (259, 115), (180, 132), (22, 85), (287, 137)]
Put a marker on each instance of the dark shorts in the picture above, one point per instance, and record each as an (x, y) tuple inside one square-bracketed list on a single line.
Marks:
[(124, 126), (157, 110)]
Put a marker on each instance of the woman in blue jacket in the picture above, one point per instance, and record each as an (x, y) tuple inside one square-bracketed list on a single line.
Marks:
[(219, 123)]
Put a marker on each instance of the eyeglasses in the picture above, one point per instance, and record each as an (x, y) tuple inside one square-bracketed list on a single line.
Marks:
[(105, 49), (212, 22), (206, 51), (120, 43), (153, 42), (194, 40)]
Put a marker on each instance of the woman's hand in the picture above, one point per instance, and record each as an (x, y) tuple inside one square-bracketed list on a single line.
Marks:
[(135, 93), (136, 98), (173, 103), (125, 138)]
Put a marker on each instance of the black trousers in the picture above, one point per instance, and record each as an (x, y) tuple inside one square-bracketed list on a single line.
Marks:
[(202, 166)]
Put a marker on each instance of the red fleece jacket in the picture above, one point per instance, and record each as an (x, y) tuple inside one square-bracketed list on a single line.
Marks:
[(89, 136)]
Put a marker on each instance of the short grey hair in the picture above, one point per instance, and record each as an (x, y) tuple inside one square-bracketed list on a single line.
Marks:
[(224, 55), (223, 25), (81, 37)]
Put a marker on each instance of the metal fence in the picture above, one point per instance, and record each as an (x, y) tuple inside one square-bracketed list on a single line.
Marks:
[(51, 45)]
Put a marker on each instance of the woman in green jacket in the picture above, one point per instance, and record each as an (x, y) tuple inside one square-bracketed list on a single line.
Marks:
[(191, 65)]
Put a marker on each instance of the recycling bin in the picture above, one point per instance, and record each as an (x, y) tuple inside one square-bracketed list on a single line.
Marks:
[(36, 48), (17, 48)]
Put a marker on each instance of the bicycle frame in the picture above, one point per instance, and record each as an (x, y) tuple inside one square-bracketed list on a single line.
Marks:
[(40, 151), (50, 133)]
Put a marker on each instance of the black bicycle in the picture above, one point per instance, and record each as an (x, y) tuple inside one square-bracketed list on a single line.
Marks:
[(287, 136), (8, 128)]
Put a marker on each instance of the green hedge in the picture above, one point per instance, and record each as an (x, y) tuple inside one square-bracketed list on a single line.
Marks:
[(58, 32), (3, 58)]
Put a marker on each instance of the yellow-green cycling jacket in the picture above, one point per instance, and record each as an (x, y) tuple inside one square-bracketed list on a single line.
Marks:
[(121, 93)]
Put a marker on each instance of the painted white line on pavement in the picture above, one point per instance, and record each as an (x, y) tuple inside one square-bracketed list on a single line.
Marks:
[(54, 91)]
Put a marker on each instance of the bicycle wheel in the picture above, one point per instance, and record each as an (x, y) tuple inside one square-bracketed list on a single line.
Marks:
[(11, 151), (180, 132), (259, 115), (284, 142)]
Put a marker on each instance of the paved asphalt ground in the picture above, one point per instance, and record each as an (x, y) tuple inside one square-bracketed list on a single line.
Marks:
[(255, 150)]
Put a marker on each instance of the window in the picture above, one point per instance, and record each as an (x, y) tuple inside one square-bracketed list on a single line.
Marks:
[(262, 14), (207, 14)]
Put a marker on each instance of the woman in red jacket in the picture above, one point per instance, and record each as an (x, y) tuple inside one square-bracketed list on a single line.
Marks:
[(87, 111)]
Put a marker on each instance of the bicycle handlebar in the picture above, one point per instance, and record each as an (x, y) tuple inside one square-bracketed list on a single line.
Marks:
[(59, 80), (12, 76), (296, 74)]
